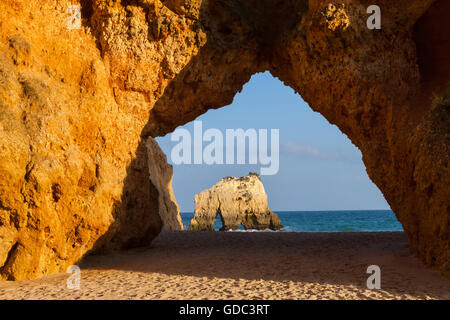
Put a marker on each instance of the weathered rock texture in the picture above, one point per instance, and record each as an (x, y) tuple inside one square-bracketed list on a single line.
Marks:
[(237, 201), (77, 106), (74, 175), (161, 174)]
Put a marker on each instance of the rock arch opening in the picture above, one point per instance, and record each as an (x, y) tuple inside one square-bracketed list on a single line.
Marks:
[(344, 71), (319, 168), (316, 160), (219, 223)]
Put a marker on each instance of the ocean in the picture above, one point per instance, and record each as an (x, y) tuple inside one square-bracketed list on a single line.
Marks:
[(327, 221)]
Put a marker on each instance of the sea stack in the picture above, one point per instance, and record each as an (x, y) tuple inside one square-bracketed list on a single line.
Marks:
[(238, 201)]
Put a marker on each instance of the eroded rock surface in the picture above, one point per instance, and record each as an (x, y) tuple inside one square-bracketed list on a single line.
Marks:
[(74, 174), (161, 174), (237, 201), (77, 107), (383, 88)]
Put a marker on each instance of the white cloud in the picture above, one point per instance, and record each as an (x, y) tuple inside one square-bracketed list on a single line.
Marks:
[(298, 150), (307, 151)]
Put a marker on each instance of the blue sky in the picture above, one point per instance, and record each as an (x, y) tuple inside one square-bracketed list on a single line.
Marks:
[(320, 169)]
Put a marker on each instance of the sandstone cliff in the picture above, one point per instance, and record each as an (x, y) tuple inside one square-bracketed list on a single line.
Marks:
[(77, 107), (74, 175), (237, 201), (161, 174)]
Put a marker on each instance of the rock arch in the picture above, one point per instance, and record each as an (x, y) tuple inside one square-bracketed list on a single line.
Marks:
[(78, 107), (383, 88)]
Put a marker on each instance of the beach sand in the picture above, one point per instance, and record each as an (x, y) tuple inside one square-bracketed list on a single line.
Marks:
[(247, 265)]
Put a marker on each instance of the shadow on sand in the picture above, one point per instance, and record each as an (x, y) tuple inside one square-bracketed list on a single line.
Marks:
[(321, 258)]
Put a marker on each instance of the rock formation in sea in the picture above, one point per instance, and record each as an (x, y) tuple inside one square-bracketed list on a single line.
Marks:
[(236, 201), (77, 106)]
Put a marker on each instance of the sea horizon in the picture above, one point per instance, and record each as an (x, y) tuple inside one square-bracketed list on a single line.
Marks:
[(372, 220)]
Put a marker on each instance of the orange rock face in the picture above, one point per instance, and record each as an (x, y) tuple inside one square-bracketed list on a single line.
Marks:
[(77, 107), (74, 173)]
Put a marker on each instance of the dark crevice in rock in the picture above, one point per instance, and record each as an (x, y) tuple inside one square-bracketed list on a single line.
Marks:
[(9, 259), (432, 38), (87, 10), (56, 192)]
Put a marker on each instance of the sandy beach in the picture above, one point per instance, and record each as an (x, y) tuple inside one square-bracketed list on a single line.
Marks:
[(244, 265)]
